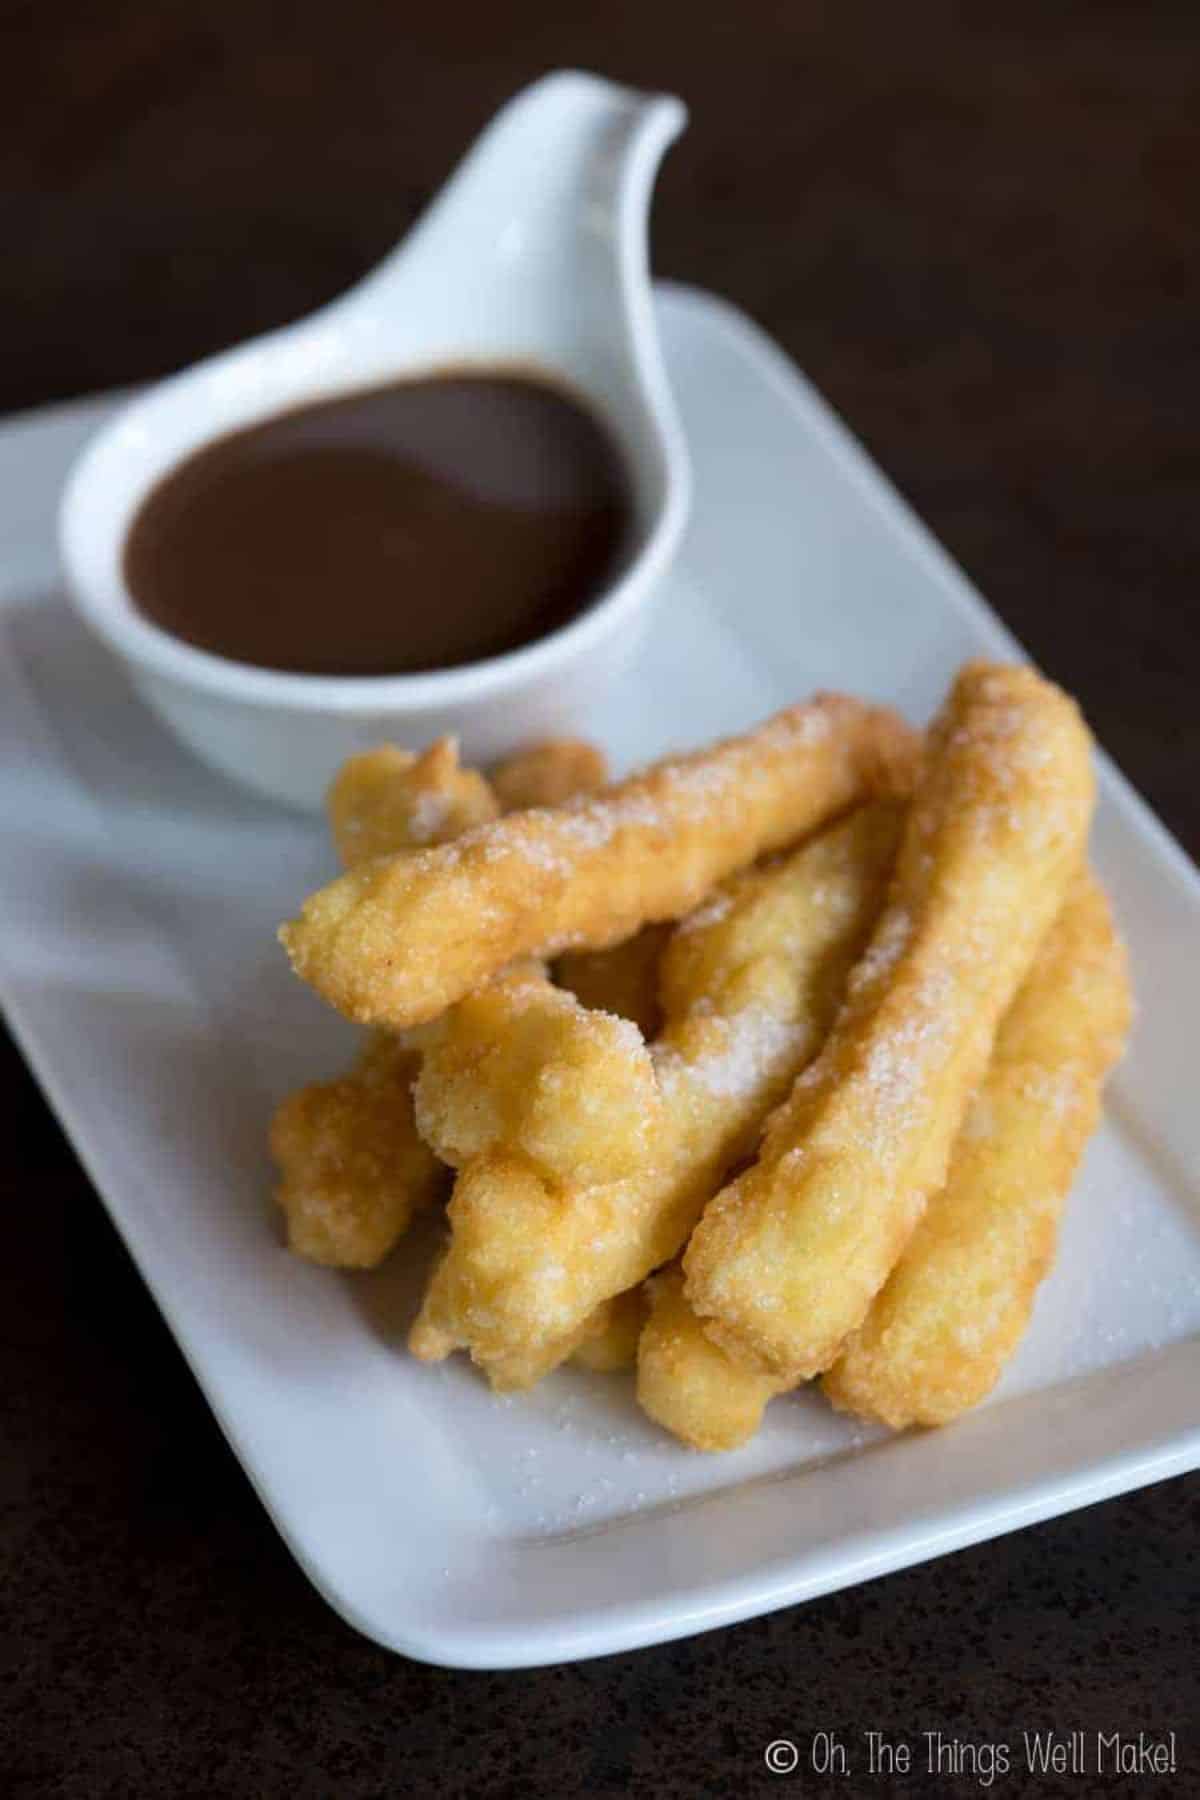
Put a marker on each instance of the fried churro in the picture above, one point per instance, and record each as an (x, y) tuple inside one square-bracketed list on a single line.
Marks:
[(613, 1332), (749, 986), (548, 774), (957, 1303), (387, 800), (354, 1169), (522, 1068), (833, 1004), (787, 1259), (687, 1383), (397, 940)]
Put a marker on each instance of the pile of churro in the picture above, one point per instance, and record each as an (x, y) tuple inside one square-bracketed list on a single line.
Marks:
[(772, 1062)]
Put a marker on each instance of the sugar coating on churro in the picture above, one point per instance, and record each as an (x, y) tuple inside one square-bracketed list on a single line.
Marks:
[(917, 1061), (787, 1258), (522, 1067), (957, 1303), (387, 800), (353, 1168), (748, 997), (396, 941)]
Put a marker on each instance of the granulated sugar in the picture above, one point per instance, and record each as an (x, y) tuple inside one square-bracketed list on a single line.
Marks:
[(887, 946), (429, 814), (754, 1044), (710, 913), (575, 1453)]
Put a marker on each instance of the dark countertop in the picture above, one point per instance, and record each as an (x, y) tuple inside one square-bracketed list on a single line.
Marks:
[(974, 228)]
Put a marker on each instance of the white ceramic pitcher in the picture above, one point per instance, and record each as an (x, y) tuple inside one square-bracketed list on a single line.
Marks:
[(534, 254)]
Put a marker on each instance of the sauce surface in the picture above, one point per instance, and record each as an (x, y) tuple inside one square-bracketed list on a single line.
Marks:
[(415, 526)]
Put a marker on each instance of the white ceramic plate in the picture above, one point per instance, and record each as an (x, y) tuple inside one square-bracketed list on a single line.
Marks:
[(138, 901)]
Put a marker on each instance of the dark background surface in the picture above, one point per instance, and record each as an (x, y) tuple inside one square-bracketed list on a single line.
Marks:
[(974, 227)]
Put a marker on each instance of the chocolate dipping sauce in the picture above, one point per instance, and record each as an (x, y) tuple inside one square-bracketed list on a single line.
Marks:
[(410, 527)]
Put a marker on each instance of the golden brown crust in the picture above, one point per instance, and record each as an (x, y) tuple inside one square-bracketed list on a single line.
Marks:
[(353, 1166), (787, 1259), (521, 1067), (612, 1340), (688, 1385), (549, 774), (752, 981), (966, 1060), (353, 1169), (387, 800), (957, 1303), (395, 941)]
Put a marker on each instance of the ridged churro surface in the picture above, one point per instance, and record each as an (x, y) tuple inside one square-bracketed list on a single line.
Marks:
[(788, 1258), (395, 941)]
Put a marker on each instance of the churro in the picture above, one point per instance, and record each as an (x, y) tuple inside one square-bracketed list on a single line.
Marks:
[(548, 774), (787, 1259), (957, 1303), (613, 1333), (687, 1383), (834, 1004), (387, 800), (749, 986), (522, 1068), (397, 940), (354, 1169)]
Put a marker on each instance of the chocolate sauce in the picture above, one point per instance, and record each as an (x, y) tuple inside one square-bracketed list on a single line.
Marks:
[(416, 526)]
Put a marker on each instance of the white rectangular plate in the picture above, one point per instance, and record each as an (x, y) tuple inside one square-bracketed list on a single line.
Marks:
[(138, 901)]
